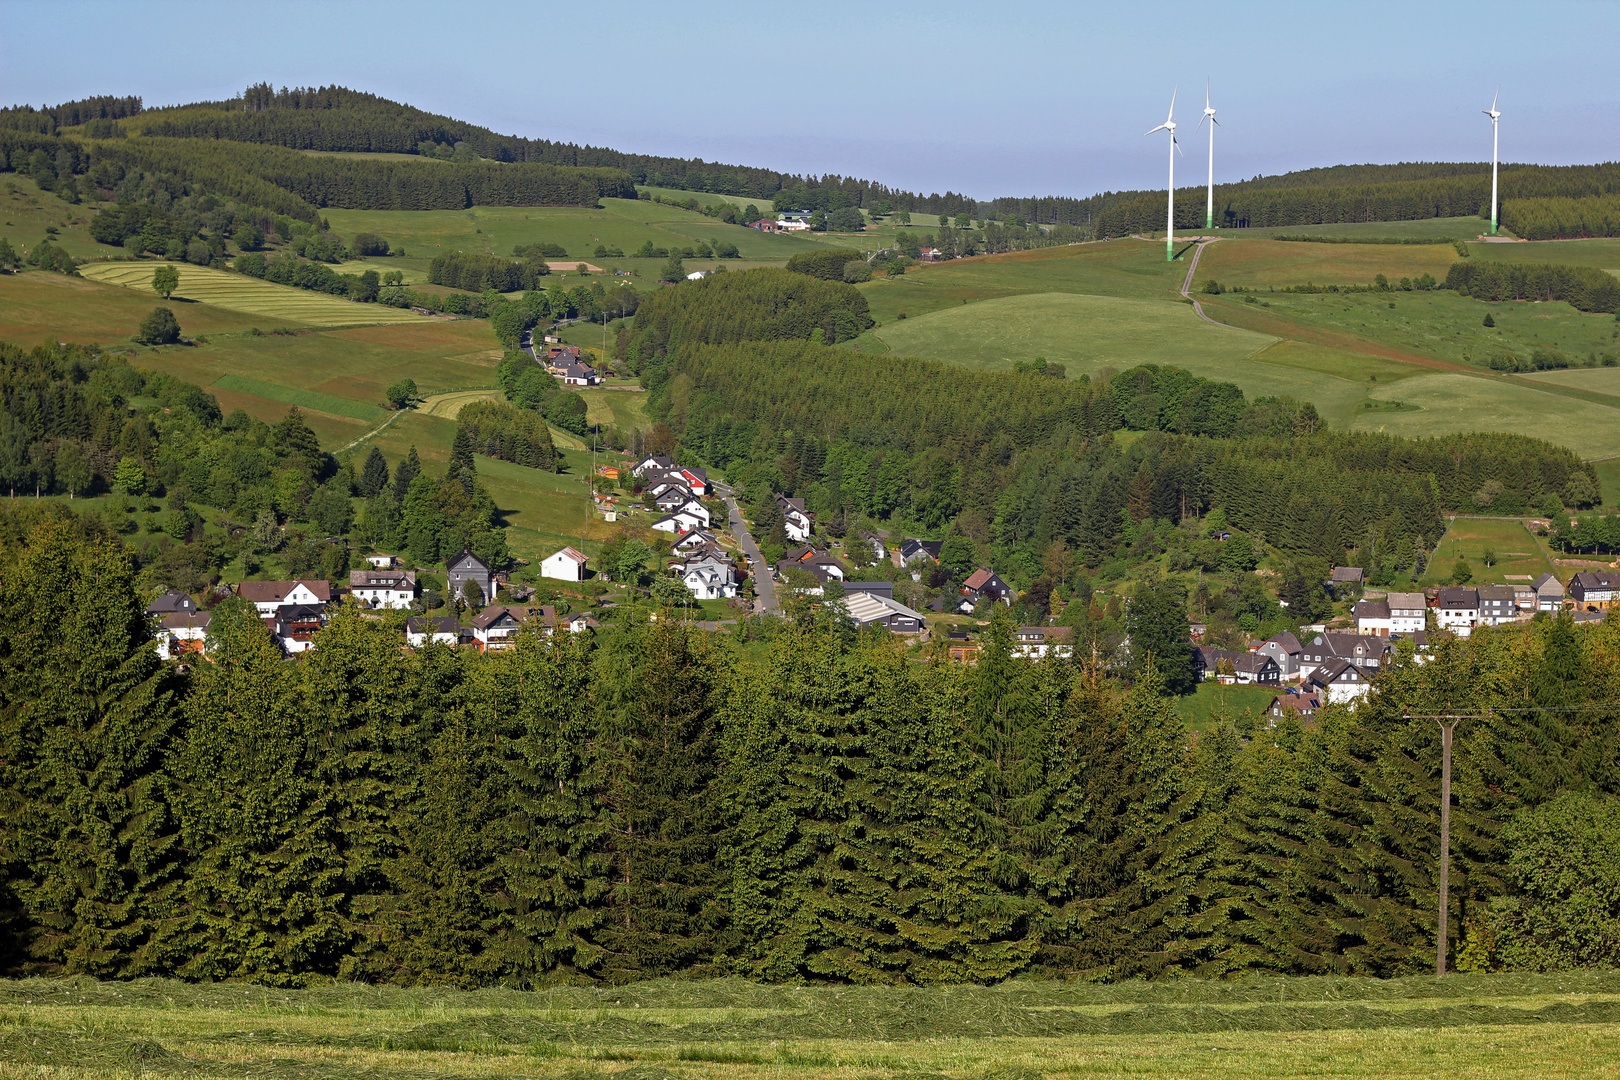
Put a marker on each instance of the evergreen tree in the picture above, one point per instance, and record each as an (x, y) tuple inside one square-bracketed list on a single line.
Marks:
[(264, 887), (555, 866), (408, 471), (374, 474), (86, 710), (660, 736), (463, 468), (294, 440), (421, 520)]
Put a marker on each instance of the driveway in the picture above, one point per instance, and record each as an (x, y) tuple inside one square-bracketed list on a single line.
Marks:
[(764, 587)]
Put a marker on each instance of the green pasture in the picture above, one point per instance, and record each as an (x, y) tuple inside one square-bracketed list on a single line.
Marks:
[(36, 306), (1518, 551), (1508, 1027), (1261, 263), (1602, 253), (221, 288), (27, 213), (622, 409), (1440, 324), (304, 399), (1213, 703), (1443, 402), (1122, 268), (1452, 228), (1609, 477)]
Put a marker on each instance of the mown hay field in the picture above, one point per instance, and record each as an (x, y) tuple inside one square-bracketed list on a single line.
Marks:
[(1466, 1026), (1602, 253), (222, 288), (1440, 403), (1261, 263), (1518, 553), (1452, 228), (37, 307)]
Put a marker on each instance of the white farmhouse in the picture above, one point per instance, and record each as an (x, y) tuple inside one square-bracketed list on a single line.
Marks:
[(384, 588), (564, 565)]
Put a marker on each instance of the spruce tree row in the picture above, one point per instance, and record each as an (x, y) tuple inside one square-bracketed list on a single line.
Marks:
[(646, 802)]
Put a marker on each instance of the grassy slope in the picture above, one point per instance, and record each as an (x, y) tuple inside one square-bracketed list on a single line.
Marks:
[(221, 288), (1519, 553), (36, 306), (1457, 228), (1256, 262), (1506, 1026), (26, 212), (1599, 253)]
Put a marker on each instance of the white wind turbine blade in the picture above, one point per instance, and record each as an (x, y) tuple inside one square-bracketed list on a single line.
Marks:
[(1161, 127), (1171, 118)]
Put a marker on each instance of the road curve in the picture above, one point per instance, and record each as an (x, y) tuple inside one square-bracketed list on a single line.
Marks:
[(1186, 285)]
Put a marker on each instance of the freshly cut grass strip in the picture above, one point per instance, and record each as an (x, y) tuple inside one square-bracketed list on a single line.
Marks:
[(304, 399), (224, 289)]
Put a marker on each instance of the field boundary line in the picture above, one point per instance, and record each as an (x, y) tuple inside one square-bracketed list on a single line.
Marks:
[(378, 430)]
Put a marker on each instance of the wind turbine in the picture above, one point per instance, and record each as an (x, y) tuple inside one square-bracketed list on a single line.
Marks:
[(1209, 114), (1495, 142), (1175, 148)]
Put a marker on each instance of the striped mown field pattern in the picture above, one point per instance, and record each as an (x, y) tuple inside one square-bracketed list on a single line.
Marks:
[(238, 292), (304, 399)]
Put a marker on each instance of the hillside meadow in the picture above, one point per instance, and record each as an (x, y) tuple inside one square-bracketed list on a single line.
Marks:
[(1518, 554), (1503, 1026), (222, 288), (36, 306)]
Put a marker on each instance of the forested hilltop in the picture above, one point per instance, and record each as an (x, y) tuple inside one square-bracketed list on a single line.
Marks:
[(645, 802), (337, 119)]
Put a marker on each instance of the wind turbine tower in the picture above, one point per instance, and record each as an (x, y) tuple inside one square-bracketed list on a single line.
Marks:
[(1495, 143), (1209, 114), (1175, 148)]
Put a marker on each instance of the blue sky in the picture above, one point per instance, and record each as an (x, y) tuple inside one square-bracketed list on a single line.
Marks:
[(986, 99)]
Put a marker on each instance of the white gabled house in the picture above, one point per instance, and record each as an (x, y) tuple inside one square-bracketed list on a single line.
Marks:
[(652, 463), (1339, 681), (1457, 609), (565, 565), (182, 631), (709, 578), (384, 588), (797, 522), (695, 540), (425, 629), (497, 627), (269, 597)]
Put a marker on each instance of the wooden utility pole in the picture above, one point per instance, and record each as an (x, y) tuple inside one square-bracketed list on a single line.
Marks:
[(1446, 732)]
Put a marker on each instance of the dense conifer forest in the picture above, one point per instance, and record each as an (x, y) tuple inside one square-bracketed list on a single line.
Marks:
[(646, 802)]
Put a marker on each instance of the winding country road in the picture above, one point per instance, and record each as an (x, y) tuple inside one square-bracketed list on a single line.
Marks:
[(1186, 285)]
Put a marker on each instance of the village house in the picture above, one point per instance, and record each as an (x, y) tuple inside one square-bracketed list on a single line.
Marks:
[(579, 375), (1339, 681), (1550, 593), (1358, 650), (1396, 613), (797, 522), (469, 577), (696, 540), (1498, 604), (668, 494), (435, 629), (383, 588), (182, 631), (869, 608), (1036, 642), (685, 518), (1457, 609), (1286, 650), (880, 550), (765, 226), (1236, 668), (913, 550), (1346, 579), (1300, 704), (651, 463), (269, 597), (820, 563), (172, 602), (708, 578), (984, 584), (561, 357), (1595, 590), (381, 561), (497, 627), (565, 565), (294, 626)]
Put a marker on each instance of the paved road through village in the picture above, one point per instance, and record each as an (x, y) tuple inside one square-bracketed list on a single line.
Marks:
[(764, 587)]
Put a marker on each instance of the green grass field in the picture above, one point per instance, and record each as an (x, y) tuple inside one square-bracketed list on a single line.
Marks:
[(27, 213), (1547, 1027), (1259, 263), (36, 306), (1446, 402), (221, 288), (1455, 228), (1088, 331), (1609, 476), (1213, 703), (1604, 254), (1519, 553)]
